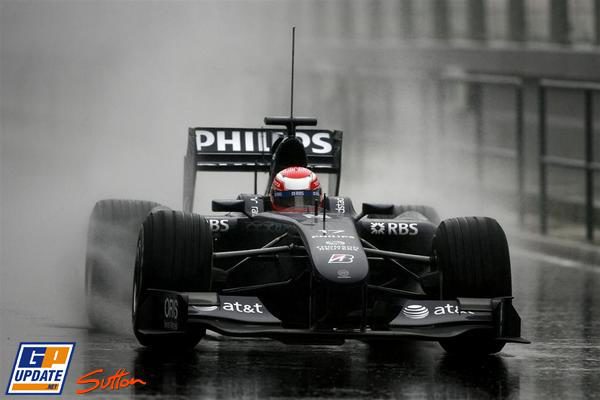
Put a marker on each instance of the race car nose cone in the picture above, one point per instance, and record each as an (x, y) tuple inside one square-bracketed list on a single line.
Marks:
[(337, 253)]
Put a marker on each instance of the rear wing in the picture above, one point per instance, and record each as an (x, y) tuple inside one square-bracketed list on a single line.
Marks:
[(249, 150)]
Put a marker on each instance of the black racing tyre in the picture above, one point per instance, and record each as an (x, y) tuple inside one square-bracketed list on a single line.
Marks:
[(472, 256), (110, 255), (174, 253), (427, 211)]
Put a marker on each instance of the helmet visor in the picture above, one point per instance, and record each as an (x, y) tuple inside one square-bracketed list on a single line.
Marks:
[(297, 200)]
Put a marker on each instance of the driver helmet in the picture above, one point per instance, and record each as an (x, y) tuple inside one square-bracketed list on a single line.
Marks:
[(295, 189)]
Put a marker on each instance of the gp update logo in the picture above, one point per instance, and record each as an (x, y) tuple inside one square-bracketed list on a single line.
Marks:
[(40, 368)]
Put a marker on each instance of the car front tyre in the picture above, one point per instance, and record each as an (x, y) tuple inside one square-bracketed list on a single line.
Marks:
[(471, 254)]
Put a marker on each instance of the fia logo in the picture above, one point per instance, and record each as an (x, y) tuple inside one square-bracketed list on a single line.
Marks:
[(40, 368), (341, 259)]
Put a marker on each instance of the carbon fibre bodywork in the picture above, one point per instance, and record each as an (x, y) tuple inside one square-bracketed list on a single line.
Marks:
[(324, 279), (330, 274)]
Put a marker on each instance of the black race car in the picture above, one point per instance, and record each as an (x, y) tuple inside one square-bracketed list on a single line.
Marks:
[(387, 272)]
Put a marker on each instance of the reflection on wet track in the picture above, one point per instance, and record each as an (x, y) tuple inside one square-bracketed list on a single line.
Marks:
[(560, 308)]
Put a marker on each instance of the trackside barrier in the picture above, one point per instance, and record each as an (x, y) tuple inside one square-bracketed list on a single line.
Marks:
[(588, 164), (476, 81)]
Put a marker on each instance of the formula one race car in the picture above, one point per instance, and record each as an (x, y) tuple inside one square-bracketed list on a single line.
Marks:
[(296, 265)]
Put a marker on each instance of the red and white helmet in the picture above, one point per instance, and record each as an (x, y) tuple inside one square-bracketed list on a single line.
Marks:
[(295, 189)]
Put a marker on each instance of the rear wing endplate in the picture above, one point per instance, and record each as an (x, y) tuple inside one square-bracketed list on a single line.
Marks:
[(249, 150)]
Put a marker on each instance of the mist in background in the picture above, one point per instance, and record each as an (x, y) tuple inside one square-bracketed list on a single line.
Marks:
[(95, 102), (96, 99)]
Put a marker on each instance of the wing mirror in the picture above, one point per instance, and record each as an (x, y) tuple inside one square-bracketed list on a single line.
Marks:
[(371, 208), (229, 205)]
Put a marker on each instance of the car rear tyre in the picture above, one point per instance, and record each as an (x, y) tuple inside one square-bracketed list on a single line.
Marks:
[(112, 234), (472, 256), (174, 253)]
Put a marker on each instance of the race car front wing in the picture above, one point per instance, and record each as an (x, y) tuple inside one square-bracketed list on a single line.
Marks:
[(173, 313)]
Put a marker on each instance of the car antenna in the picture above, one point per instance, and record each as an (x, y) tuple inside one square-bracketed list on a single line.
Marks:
[(292, 127), (324, 208), (290, 122), (262, 153), (255, 178)]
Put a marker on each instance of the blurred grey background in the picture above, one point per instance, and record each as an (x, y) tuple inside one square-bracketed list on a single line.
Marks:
[(440, 102)]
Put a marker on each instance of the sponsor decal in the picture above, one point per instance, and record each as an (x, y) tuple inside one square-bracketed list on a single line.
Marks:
[(394, 228), (340, 205), (449, 309), (254, 209), (335, 242), (119, 380), (326, 232), (333, 237), (170, 312), (343, 274), (377, 228), (332, 234), (337, 248), (219, 225), (206, 308), (242, 308), (316, 216), (415, 311), (40, 368), (230, 140), (341, 259), (264, 226)]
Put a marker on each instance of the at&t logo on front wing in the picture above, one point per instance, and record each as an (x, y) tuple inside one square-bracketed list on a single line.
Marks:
[(415, 311), (40, 368)]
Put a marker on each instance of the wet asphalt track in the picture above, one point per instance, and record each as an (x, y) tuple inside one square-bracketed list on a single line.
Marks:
[(559, 304)]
